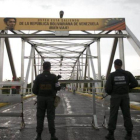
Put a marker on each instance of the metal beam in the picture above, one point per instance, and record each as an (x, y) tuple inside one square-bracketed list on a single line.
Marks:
[(22, 63), (1, 60), (32, 70), (99, 59), (11, 114), (86, 32), (37, 62), (20, 32), (82, 85), (79, 81), (35, 65), (58, 72), (70, 45), (56, 63), (10, 57), (133, 41), (112, 56), (99, 64), (85, 65), (16, 83), (88, 65), (61, 66), (71, 57), (121, 51), (59, 52), (64, 70), (92, 64), (77, 77), (28, 70), (79, 71), (78, 58), (71, 36), (36, 32), (94, 119)]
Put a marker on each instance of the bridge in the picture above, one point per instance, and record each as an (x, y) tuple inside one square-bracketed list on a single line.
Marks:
[(68, 48)]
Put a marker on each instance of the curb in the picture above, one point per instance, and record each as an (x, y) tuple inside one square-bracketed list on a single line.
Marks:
[(89, 95), (135, 107), (132, 106), (26, 97), (3, 104)]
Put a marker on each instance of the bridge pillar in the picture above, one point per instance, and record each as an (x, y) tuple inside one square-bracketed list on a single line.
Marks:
[(92, 66), (32, 71), (1, 60), (94, 85), (99, 64), (88, 61), (80, 74), (28, 68), (82, 84), (121, 51), (22, 63)]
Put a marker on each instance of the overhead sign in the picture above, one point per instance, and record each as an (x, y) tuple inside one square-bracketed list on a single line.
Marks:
[(62, 24)]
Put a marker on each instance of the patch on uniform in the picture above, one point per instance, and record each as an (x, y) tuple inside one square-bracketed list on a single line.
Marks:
[(46, 87), (119, 78), (117, 83)]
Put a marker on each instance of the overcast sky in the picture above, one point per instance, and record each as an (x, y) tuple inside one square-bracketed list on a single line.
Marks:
[(128, 9)]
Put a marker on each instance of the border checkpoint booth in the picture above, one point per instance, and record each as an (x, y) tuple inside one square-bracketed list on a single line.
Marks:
[(55, 40)]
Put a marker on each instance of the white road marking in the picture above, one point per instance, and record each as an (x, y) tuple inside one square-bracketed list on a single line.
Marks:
[(67, 110), (6, 110), (7, 123)]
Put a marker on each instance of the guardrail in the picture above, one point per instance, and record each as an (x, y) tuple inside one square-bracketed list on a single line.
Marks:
[(100, 93), (14, 98), (17, 91)]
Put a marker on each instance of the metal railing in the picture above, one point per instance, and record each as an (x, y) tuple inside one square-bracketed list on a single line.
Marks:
[(16, 91), (14, 96)]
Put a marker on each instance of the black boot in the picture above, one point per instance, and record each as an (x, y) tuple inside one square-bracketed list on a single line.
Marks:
[(38, 137), (53, 137), (128, 135), (110, 135)]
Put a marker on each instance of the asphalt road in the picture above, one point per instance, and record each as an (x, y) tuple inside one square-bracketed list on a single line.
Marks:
[(67, 128), (134, 97)]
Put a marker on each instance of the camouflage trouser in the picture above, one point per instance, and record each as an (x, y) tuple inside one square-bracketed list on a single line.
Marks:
[(123, 103), (45, 104)]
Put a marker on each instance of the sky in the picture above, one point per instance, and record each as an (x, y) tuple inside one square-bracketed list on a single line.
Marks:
[(128, 9)]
